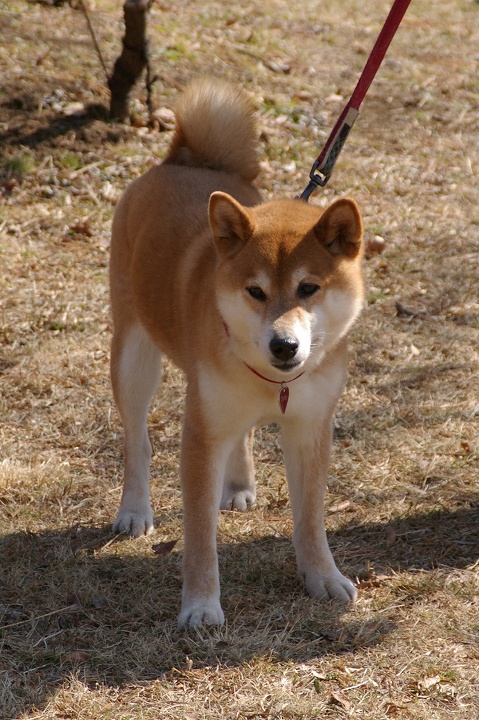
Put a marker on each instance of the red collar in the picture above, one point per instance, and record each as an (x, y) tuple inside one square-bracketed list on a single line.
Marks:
[(284, 392)]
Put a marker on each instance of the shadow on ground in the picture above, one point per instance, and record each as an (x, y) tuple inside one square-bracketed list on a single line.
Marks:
[(90, 124), (79, 601)]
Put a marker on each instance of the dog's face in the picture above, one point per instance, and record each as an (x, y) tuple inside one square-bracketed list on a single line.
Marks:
[(288, 280)]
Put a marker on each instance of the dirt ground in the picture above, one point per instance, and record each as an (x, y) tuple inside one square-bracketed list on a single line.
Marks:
[(87, 620)]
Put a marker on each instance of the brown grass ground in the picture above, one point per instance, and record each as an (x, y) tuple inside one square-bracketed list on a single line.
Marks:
[(88, 622)]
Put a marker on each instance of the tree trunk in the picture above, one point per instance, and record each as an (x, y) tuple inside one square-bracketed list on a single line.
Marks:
[(133, 59)]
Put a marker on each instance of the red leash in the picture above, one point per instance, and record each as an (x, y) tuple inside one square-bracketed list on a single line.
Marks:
[(323, 167)]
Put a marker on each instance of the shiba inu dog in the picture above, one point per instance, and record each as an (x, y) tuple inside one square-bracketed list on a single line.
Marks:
[(253, 301)]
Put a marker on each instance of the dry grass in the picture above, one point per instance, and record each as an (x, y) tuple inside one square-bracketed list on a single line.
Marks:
[(88, 621)]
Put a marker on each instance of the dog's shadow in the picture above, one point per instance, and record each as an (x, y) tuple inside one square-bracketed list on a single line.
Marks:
[(80, 601)]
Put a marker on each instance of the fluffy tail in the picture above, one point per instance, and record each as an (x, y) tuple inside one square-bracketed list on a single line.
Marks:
[(215, 128)]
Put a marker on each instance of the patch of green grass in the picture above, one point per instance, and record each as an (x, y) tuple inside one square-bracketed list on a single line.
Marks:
[(72, 161), (19, 166), (176, 52)]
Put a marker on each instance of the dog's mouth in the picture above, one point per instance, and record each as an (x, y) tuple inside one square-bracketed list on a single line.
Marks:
[(287, 366)]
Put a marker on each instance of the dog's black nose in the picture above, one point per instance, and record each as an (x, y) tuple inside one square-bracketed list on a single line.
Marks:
[(283, 348)]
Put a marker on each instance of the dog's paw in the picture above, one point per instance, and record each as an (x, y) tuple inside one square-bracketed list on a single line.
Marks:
[(134, 523), (201, 613), (237, 499), (330, 586)]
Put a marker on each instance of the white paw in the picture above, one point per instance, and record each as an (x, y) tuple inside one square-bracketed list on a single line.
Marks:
[(134, 523), (330, 586), (201, 613), (237, 499)]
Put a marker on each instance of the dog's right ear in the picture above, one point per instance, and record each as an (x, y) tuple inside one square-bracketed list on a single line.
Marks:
[(230, 222)]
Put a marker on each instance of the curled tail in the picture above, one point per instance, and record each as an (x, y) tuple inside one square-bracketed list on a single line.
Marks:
[(215, 128)]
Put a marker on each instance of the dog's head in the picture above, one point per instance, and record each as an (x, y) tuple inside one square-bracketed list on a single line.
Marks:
[(288, 280)]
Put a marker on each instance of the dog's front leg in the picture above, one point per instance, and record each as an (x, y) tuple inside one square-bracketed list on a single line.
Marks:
[(203, 463), (307, 448)]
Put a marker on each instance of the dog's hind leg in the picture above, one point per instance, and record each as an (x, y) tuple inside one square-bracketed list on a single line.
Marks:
[(239, 490), (136, 375)]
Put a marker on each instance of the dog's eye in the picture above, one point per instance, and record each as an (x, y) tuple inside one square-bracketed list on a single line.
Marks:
[(256, 293), (305, 290)]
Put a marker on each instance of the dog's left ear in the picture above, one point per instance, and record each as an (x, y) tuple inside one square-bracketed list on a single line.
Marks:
[(340, 228), (230, 222)]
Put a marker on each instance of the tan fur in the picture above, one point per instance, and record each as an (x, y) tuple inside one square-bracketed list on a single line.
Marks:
[(203, 272)]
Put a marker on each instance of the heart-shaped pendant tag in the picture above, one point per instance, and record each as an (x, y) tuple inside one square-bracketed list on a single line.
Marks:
[(283, 398)]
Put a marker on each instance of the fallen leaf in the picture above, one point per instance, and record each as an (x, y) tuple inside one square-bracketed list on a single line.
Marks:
[(393, 709), (164, 548), (82, 228), (372, 581), (339, 506), (429, 682), (338, 699)]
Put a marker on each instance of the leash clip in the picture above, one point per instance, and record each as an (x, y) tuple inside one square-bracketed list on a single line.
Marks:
[(317, 179), (322, 168)]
